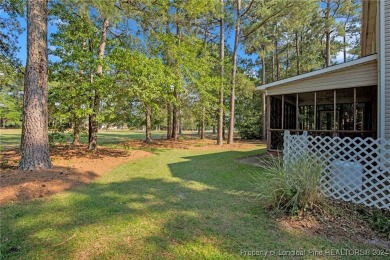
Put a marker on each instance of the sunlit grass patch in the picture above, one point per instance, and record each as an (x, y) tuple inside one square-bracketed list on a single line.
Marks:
[(175, 204)]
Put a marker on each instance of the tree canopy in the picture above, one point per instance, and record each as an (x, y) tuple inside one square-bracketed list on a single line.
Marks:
[(173, 64)]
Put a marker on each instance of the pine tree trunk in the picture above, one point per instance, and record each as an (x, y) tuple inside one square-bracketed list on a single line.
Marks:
[(96, 100), (148, 113), (327, 35), (202, 124), (234, 72), (287, 59), (222, 75), (179, 128), (345, 47), (277, 59), (76, 131), (175, 117), (35, 142), (76, 138), (297, 53), (327, 54), (169, 121), (263, 79), (91, 79), (175, 114), (93, 124), (77, 121), (273, 66)]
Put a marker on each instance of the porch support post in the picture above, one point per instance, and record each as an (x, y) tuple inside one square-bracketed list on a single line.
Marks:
[(297, 114), (264, 117), (282, 111), (315, 110), (269, 122), (354, 109), (334, 112)]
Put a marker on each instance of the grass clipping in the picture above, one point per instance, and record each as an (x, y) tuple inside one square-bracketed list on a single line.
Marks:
[(291, 187)]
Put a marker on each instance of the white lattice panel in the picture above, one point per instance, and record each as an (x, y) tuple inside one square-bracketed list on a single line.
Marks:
[(354, 169)]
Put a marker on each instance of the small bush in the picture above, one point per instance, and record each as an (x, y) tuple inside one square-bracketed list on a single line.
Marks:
[(290, 189), (127, 146), (57, 138), (3, 162), (248, 132), (378, 219)]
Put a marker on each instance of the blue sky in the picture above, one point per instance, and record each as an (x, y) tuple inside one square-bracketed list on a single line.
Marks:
[(22, 42)]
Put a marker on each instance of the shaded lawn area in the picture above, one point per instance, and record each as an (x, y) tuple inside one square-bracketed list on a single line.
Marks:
[(9, 138), (186, 204)]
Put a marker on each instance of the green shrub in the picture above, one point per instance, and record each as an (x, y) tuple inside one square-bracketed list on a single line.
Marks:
[(57, 138), (249, 123), (290, 189), (378, 219), (250, 132), (127, 146), (3, 162)]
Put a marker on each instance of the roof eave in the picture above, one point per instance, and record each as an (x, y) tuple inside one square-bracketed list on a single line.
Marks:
[(319, 72)]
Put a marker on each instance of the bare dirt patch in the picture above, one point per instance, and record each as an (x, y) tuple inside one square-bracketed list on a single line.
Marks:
[(345, 224), (190, 143), (72, 166)]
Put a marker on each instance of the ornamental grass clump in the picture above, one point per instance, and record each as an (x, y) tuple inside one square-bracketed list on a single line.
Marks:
[(290, 187)]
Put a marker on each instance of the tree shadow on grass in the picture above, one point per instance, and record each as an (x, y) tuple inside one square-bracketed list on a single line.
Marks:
[(8, 141), (203, 211), (153, 150), (218, 169)]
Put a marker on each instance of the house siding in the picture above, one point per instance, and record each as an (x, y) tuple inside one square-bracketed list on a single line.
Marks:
[(387, 69), (358, 76), (369, 26)]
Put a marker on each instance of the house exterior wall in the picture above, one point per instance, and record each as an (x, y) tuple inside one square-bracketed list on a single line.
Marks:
[(386, 85), (358, 76), (369, 27)]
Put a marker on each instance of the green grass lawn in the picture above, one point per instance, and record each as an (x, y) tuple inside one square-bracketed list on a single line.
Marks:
[(10, 138), (185, 204)]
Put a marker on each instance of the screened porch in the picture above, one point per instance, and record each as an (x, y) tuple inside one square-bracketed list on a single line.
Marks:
[(348, 112)]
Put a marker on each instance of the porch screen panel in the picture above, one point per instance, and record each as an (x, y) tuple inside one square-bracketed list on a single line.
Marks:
[(325, 110), (306, 111), (345, 109), (290, 111), (366, 106), (276, 112)]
